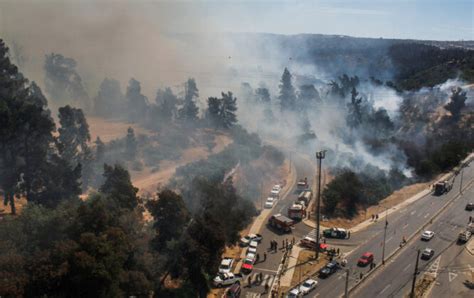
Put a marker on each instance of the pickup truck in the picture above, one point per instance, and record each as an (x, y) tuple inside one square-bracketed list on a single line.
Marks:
[(226, 265), (227, 279)]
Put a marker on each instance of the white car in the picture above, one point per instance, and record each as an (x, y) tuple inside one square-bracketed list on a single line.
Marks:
[(245, 241), (227, 279), (277, 187), (274, 193), (226, 265), (427, 235), (253, 243), (251, 256), (294, 293), (308, 286), (252, 250), (269, 203)]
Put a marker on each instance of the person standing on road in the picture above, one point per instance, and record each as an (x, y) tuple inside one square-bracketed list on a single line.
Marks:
[(250, 281), (349, 234), (264, 256)]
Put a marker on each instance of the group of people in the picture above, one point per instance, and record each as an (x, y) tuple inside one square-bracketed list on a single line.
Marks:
[(258, 280)]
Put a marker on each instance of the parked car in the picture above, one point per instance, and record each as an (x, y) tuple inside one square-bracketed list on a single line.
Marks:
[(247, 266), (252, 250), (308, 286), (470, 206), (227, 279), (226, 265), (253, 243), (329, 269), (251, 256), (277, 187), (427, 235), (366, 259), (294, 293), (269, 203), (427, 254), (233, 291), (335, 233), (464, 236), (245, 241)]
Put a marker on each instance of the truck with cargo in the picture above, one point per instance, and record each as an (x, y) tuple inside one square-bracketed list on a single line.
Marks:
[(442, 187), (305, 196), (281, 222)]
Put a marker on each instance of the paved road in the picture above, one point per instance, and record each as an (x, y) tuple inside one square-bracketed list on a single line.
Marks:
[(446, 226), (456, 267), (404, 222), (304, 168)]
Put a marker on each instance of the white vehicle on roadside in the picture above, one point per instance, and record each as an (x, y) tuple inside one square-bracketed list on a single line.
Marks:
[(277, 187), (427, 235), (294, 293), (226, 265), (227, 279), (253, 243), (308, 286), (251, 256), (274, 193), (252, 250), (245, 241), (269, 203)]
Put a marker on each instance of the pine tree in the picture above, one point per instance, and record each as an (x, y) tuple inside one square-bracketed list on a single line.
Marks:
[(119, 187), (109, 101), (457, 102), (263, 95), (99, 149), (228, 110), (73, 134), (189, 110), (354, 114), (136, 101), (130, 144), (166, 101), (287, 92)]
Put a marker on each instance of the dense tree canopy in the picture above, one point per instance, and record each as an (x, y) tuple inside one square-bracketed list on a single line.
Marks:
[(287, 94)]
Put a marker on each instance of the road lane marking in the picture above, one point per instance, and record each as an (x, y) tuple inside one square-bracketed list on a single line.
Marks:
[(386, 288), (406, 267), (452, 276), (405, 226), (267, 270), (389, 239), (427, 214), (413, 212)]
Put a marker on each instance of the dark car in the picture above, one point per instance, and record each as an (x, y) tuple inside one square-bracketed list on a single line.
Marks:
[(233, 291), (469, 206), (427, 254), (366, 259), (329, 269)]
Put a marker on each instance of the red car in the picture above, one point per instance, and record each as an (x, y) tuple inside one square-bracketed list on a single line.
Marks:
[(247, 266), (366, 259)]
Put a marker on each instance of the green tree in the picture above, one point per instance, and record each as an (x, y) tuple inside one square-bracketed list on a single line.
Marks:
[(166, 101), (263, 95), (170, 217), (457, 102), (354, 113), (63, 83), (343, 193), (119, 187), (189, 111), (109, 101), (130, 144), (287, 95), (73, 134), (137, 103)]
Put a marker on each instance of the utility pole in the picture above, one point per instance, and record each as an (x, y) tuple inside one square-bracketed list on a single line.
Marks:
[(412, 294), (460, 184), (346, 291), (384, 236), (319, 156), (261, 195)]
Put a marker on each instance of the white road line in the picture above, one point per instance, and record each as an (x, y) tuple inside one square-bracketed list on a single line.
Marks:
[(384, 289), (405, 226), (427, 214), (389, 239), (406, 267)]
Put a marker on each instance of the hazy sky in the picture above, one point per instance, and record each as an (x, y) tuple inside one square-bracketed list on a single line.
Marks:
[(417, 19)]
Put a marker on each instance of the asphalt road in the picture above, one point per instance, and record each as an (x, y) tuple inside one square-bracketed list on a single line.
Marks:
[(456, 270), (404, 222), (269, 267), (394, 279)]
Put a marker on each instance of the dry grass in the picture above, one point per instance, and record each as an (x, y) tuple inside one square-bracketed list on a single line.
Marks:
[(109, 130), (309, 267)]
